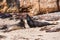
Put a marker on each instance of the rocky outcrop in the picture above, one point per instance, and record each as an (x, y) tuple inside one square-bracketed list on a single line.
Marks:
[(8, 6), (3, 6), (48, 6), (33, 6)]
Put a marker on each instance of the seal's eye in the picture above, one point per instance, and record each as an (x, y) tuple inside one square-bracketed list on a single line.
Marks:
[(1, 0)]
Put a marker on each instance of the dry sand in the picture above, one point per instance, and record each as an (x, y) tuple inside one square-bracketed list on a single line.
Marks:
[(31, 34)]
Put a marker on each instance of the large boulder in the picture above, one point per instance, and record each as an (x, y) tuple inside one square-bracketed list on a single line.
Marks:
[(9, 6), (24, 3), (40, 6), (12, 6), (59, 4), (48, 6), (33, 6), (3, 6)]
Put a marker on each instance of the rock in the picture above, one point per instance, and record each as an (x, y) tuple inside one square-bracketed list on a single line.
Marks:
[(47, 6), (34, 7)]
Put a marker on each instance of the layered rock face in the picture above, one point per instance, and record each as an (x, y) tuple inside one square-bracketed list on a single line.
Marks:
[(3, 5), (33, 6), (9, 6), (48, 6), (58, 4)]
